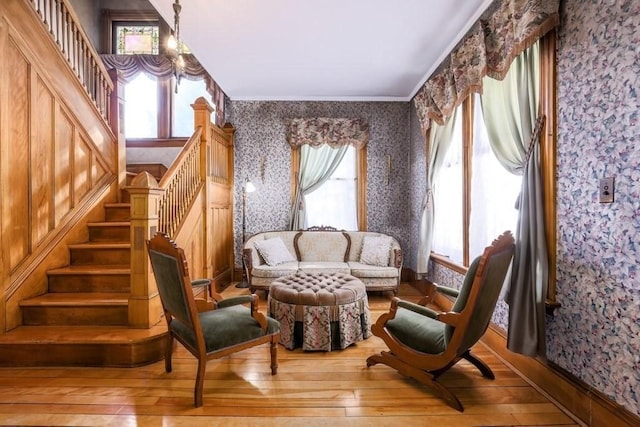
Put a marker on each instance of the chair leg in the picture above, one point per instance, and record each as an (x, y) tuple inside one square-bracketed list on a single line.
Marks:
[(202, 366), (421, 376), (274, 354), (168, 351), (484, 369)]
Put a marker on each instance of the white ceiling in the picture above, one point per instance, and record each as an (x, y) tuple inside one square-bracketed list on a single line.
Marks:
[(344, 50)]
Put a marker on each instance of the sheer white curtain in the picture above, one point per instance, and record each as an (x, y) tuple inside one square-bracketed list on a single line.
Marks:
[(494, 191), (334, 202), (317, 164), (447, 199)]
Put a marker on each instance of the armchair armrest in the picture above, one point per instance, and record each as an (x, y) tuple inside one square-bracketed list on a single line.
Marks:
[(450, 318), (448, 291), (425, 311), (208, 285), (243, 299)]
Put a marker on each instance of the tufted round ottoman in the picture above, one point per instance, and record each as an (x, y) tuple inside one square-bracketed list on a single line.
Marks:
[(320, 311)]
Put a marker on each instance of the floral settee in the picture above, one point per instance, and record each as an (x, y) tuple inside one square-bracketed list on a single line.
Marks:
[(374, 258)]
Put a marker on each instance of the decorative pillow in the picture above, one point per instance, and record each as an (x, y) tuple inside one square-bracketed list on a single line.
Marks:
[(273, 251), (375, 250)]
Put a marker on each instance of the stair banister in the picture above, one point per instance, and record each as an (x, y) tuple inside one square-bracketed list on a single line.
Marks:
[(162, 207)]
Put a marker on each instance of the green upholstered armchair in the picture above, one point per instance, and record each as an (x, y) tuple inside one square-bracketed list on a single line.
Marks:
[(225, 326), (424, 343)]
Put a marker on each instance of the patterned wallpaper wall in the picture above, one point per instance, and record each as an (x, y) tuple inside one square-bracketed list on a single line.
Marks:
[(261, 137), (594, 335)]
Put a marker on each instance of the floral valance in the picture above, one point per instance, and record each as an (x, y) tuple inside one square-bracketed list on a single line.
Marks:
[(331, 131), (505, 29), (160, 67)]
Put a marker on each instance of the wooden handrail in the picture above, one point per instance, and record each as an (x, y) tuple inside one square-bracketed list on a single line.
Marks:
[(180, 184), (63, 25)]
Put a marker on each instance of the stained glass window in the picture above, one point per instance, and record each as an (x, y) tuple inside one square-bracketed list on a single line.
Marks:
[(136, 39)]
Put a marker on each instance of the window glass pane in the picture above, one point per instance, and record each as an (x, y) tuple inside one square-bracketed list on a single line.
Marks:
[(447, 195), (334, 203), (136, 39), (188, 92), (141, 107), (493, 192)]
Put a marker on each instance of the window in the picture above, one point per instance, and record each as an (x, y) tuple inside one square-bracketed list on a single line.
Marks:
[(447, 201), (182, 117), (136, 39), (334, 203), (474, 196), (141, 107), (356, 157), (153, 108)]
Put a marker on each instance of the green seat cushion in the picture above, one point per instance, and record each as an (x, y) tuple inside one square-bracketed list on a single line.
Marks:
[(225, 327), (419, 332)]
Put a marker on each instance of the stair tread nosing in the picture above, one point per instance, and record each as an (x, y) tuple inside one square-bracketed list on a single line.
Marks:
[(100, 245), (77, 299), (60, 334), (89, 269), (109, 224)]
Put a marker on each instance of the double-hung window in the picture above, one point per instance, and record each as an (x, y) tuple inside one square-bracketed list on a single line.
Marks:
[(475, 197)]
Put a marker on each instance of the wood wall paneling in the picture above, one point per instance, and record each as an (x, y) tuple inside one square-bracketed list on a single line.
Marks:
[(63, 198), (82, 168), (57, 157), (42, 147), (16, 195)]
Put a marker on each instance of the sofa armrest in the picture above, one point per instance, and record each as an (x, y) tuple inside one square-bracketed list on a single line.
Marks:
[(397, 258), (247, 263)]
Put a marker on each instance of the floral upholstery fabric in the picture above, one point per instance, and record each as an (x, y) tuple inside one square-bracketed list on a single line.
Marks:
[(502, 33), (320, 312)]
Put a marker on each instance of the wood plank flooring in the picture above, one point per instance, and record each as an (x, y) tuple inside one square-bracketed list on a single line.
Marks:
[(310, 389)]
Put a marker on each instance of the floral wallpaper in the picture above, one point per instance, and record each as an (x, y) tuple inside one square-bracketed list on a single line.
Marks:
[(263, 155), (594, 335)]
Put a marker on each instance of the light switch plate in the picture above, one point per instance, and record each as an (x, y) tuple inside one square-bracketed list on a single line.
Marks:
[(606, 190)]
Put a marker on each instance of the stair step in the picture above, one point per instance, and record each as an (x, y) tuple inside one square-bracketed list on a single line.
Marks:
[(110, 231), (100, 253), (110, 346), (90, 278), (117, 211), (76, 308)]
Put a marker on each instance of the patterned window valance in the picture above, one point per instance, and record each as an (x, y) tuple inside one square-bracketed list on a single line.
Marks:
[(334, 132), (159, 66), (502, 33)]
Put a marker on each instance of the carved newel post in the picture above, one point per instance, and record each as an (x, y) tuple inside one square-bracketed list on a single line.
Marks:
[(145, 308)]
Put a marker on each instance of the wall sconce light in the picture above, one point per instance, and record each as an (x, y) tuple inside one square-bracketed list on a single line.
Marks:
[(247, 187), (174, 45)]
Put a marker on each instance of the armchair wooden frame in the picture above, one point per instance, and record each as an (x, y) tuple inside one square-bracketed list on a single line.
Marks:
[(185, 315), (466, 324)]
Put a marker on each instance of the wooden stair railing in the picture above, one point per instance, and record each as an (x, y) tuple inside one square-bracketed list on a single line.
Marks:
[(179, 205), (64, 27)]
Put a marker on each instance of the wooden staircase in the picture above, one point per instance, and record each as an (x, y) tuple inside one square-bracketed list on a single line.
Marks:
[(83, 319)]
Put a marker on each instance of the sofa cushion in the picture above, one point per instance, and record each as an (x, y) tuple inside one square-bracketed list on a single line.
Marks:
[(273, 251), (323, 267), (376, 250), (322, 246), (359, 269), (275, 271)]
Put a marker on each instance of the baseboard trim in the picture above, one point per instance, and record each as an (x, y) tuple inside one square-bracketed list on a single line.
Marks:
[(589, 405)]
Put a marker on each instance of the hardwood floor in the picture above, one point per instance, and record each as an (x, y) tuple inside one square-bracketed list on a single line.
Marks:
[(310, 389)]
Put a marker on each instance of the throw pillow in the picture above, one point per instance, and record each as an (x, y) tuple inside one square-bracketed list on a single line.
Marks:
[(375, 250), (273, 251)]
